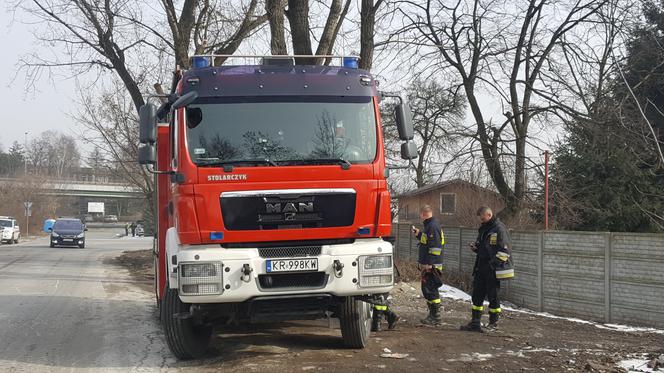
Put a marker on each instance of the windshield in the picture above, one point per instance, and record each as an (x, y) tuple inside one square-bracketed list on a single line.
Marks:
[(281, 130), (5, 223), (68, 225)]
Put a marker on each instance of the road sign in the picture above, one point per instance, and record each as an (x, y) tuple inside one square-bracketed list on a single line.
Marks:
[(96, 207), (28, 208)]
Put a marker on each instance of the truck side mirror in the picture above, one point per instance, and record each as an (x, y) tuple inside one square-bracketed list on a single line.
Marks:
[(146, 154), (404, 121), (147, 130), (408, 150)]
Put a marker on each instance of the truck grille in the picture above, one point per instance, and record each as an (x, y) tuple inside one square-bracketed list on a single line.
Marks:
[(290, 209), (289, 252), (292, 280)]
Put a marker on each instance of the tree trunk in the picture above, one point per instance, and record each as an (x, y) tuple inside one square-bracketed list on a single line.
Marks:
[(367, 27), (275, 16), (298, 17)]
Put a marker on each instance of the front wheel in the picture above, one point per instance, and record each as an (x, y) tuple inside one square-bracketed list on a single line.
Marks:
[(355, 321), (185, 339), (17, 238)]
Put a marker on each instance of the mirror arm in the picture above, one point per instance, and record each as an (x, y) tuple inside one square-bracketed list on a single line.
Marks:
[(392, 95), (150, 169)]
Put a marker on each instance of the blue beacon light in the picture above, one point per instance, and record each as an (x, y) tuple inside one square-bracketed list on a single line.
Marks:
[(200, 62), (351, 62)]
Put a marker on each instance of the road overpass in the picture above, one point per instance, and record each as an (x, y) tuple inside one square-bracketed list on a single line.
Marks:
[(77, 188)]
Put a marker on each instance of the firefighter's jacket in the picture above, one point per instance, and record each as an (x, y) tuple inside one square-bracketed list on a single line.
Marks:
[(494, 246), (432, 242)]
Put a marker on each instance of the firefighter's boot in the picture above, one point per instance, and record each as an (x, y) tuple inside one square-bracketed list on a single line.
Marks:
[(493, 320), (392, 319), (427, 320), (475, 324), (375, 321), (435, 315)]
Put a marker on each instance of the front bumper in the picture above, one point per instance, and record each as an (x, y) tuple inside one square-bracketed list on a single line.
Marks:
[(67, 241), (6, 235), (338, 272)]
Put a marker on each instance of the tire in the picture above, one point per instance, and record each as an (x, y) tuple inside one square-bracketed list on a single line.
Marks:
[(355, 321), (51, 244), (81, 246), (185, 339), (17, 238), (11, 240)]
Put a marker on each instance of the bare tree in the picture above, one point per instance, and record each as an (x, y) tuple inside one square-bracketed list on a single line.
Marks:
[(114, 35), (275, 12), (498, 49), (436, 111), (368, 10)]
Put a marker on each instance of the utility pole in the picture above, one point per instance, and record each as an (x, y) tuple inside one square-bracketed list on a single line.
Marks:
[(25, 154), (546, 190)]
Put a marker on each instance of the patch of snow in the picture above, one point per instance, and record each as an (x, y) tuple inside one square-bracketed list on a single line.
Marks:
[(450, 292), (636, 364), (474, 357)]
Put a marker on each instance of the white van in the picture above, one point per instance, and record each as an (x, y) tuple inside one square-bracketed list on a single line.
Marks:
[(9, 230)]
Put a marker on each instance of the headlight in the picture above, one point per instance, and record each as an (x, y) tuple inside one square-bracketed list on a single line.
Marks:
[(53, 234), (81, 235), (376, 270), (200, 278), (377, 262)]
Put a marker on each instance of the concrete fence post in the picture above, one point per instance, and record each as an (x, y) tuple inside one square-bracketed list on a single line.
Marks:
[(607, 277), (540, 271)]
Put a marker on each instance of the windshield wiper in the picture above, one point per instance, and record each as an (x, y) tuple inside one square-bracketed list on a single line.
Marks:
[(342, 162), (229, 164)]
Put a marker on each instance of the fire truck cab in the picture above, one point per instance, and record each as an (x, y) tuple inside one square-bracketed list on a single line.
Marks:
[(271, 196)]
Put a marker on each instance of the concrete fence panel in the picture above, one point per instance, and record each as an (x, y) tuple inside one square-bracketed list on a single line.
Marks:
[(601, 276)]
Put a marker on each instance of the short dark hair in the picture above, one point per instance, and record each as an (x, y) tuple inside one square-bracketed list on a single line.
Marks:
[(426, 208), (483, 210)]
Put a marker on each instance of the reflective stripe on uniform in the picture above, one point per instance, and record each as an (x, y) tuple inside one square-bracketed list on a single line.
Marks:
[(435, 251), (442, 238), (380, 308), (434, 301), (423, 239), (438, 267), (478, 308), (503, 274), (503, 256), (495, 310)]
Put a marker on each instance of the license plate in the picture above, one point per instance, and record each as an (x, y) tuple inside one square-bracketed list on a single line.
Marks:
[(68, 240), (291, 265)]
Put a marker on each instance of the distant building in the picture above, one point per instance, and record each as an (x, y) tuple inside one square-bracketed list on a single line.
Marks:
[(454, 202)]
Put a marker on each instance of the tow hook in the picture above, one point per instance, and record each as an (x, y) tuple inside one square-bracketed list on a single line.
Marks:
[(246, 272), (338, 269)]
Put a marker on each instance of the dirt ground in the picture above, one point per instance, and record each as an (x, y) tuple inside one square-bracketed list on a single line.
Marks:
[(524, 342)]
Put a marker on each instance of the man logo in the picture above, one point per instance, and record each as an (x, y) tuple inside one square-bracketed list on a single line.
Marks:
[(289, 207)]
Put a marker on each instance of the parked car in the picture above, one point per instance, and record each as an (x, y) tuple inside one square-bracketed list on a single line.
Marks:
[(111, 218), (68, 232), (87, 218), (9, 230)]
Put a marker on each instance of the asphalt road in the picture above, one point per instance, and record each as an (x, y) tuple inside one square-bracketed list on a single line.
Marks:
[(64, 310)]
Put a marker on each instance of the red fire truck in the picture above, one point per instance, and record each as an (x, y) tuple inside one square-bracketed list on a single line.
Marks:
[(272, 202)]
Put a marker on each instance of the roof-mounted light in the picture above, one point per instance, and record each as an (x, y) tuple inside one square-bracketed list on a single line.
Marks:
[(200, 62), (351, 62)]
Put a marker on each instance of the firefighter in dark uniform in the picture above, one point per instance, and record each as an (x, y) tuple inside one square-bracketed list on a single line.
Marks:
[(382, 307), (430, 258), (493, 247)]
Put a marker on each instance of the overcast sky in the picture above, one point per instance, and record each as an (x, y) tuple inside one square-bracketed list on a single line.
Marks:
[(36, 111)]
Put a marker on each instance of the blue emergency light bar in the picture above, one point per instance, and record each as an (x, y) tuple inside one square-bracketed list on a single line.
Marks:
[(203, 61)]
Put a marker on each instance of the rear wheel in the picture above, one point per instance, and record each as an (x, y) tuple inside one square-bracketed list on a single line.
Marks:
[(185, 339), (355, 321)]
